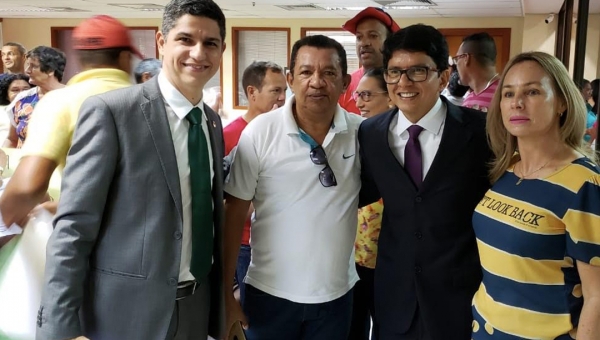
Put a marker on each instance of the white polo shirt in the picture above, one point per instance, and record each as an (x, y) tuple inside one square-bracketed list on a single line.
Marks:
[(303, 236)]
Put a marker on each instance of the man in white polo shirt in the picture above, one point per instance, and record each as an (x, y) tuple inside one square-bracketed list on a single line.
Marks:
[(299, 166)]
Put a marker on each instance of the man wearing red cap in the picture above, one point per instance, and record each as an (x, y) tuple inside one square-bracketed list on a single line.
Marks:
[(104, 50), (371, 27)]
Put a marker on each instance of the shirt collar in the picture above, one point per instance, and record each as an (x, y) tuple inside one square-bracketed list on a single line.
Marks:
[(339, 124), (102, 73), (432, 121), (176, 101)]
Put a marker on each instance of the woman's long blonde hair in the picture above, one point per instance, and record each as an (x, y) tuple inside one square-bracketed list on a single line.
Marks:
[(572, 121)]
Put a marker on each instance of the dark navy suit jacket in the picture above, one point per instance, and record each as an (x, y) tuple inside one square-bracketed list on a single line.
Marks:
[(427, 259)]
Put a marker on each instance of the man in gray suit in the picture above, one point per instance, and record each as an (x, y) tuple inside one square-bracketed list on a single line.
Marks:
[(136, 250)]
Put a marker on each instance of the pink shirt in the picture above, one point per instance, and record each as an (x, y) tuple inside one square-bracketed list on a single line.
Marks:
[(346, 101), (482, 100)]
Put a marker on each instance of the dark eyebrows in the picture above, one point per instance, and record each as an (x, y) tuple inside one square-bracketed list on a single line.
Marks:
[(190, 36), (183, 34), (213, 40)]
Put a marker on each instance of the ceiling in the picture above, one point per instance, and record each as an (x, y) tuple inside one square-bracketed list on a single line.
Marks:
[(276, 8)]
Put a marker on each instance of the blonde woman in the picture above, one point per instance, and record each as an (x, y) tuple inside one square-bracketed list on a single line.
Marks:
[(538, 227)]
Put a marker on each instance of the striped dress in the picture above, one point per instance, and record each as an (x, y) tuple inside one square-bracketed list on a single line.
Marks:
[(530, 237)]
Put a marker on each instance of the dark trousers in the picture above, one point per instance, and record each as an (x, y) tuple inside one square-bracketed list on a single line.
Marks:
[(189, 320), (241, 269), (273, 318), (363, 306), (417, 331)]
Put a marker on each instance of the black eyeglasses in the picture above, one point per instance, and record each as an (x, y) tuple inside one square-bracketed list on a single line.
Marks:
[(326, 176), (415, 74)]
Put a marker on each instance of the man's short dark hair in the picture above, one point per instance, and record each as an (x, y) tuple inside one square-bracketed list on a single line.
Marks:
[(51, 59), (255, 73), (418, 38), (19, 47), (101, 57), (321, 42), (148, 65), (5, 82), (482, 47), (175, 9)]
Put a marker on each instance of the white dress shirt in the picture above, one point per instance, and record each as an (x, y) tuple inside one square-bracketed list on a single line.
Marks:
[(433, 126), (177, 107)]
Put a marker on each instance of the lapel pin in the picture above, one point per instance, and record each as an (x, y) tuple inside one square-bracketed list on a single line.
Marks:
[(214, 124)]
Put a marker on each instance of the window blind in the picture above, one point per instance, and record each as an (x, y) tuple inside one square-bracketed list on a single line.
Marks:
[(258, 45)]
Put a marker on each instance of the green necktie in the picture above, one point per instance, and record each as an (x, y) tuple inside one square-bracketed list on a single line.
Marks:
[(202, 211)]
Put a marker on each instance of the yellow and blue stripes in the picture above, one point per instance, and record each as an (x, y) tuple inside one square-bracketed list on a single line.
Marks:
[(530, 237)]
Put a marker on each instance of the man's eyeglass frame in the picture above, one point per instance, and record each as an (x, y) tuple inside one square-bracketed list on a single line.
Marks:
[(406, 71)]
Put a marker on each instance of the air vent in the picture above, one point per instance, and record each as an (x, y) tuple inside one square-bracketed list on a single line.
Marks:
[(63, 9), (140, 7), (309, 7), (405, 2), (386, 3)]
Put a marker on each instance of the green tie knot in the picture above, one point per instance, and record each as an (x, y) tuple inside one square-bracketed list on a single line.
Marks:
[(194, 116)]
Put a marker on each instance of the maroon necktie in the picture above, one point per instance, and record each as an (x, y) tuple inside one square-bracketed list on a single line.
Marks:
[(413, 159)]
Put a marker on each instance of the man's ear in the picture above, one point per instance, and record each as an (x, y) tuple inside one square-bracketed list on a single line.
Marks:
[(444, 78), (250, 90), (347, 79), (160, 42)]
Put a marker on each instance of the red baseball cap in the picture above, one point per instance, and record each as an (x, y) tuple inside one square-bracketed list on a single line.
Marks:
[(100, 32), (371, 12)]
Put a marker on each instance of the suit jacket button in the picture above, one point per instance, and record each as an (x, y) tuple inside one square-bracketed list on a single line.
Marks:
[(177, 235), (172, 282), (418, 269), (418, 235), (418, 199)]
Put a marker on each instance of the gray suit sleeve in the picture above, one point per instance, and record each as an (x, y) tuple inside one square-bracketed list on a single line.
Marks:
[(86, 181)]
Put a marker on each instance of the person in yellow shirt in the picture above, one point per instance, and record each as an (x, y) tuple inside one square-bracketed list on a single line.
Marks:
[(104, 50)]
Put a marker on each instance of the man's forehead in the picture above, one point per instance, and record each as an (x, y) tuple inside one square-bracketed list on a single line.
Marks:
[(370, 24), (325, 55), (274, 78), (192, 25)]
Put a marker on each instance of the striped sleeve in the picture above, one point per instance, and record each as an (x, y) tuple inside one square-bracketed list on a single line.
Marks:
[(582, 221)]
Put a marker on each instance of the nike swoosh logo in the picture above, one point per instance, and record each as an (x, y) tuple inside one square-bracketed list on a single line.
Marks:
[(346, 157)]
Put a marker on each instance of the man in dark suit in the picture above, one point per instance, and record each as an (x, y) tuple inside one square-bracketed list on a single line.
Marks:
[(428, 160), (136, 250)]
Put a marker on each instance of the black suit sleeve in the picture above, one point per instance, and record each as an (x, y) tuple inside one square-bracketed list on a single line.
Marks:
[(369, 193)]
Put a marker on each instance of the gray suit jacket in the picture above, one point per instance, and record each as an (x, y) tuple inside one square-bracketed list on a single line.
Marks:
[(113, 260)]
